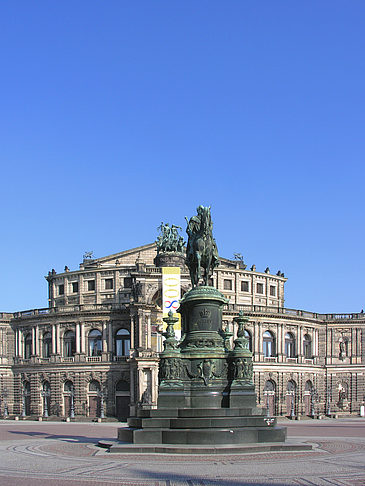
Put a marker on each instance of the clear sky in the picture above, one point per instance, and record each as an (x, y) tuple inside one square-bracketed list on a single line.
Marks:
[(118, 115)]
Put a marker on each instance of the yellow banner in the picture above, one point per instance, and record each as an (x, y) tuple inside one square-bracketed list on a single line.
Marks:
[(171, 294)]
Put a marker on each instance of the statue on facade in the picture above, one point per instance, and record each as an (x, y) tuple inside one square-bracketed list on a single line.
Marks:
[(201, 251), (169, 239)]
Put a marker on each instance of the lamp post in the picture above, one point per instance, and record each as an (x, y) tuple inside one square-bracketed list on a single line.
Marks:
[(314, 398), (328, 396), (72, 404), (24, 397), (101, 394), (45, 394), (267, 406), (292, 409), (4, 396)]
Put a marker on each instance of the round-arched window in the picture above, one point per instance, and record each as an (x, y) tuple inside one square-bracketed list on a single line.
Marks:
[(94, 386), (28, 346), (69, 344), (289, 345), (308, 386), (291, 386), (122, 385), (47, 345), (95, 345), (270, 386), (122, 342), (268, 344), (307, 346), (68, 386), (248, 336)]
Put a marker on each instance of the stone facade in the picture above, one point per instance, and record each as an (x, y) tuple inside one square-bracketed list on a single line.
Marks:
[(94, 350)]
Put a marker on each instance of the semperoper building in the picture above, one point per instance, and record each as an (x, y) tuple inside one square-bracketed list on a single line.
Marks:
[(94, 351)]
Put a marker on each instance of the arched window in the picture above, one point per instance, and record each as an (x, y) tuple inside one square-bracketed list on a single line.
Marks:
[(268, 344), (289, 345), (308, 386), (270, 386), (122, 342), (68, 386), (69, 343), (122, 386), (249, 339), (47, 345), (94, 386), (95, 343), (291, 386), (28, 346), (307, 346)]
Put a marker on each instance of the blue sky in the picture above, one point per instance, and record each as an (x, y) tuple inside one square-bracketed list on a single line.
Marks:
[(118, 115)]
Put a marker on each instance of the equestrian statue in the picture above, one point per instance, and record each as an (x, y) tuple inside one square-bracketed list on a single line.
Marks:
[(201, 251)]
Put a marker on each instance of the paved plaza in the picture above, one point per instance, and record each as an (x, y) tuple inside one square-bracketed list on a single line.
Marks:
[(56, 453)]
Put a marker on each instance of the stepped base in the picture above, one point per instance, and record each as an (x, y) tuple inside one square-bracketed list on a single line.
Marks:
[(221, 426), (122, 448)]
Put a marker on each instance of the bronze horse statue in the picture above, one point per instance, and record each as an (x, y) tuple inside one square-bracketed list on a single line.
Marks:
[(201, 251)]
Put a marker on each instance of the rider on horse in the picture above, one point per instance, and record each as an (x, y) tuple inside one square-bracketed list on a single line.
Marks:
[(201, 251)]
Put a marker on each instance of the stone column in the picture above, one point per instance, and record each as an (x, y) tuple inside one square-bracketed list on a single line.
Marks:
[(147, 323), (300, 344), (98, 287), (110, 337), (237, 289), (58, 339), (315, 346), (140, 324), (81, 289), (37, 341), (280, 342), (78, 348), (53, 338), (21, 339), (104, 338), (34, 350), (352, 352), (259, 337), (65, 295), (17, 347), (53, 293), (132, 331), (82, 337)]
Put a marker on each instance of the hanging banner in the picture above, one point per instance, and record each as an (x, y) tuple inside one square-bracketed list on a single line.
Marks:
[(171, 294)]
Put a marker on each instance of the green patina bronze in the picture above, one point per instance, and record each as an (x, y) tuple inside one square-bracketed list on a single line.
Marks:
[(206, 393), (201, 251), (169, 239)]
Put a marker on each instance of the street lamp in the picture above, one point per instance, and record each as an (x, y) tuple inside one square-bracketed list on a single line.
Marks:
[(292, 410), (4, 396), (46, 393), (24, 397), (314, 398), (267, 406), (328, 394), (101, 394), (72, 404)]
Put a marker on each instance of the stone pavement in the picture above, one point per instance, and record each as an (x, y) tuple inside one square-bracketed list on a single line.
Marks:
[(56, 453)]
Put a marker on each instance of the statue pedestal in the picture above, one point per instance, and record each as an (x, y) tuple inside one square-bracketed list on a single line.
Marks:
[(206, 395), (170, 259)]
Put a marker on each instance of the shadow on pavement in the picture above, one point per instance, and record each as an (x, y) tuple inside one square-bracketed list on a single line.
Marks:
[(66, 438), (198, 480)]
